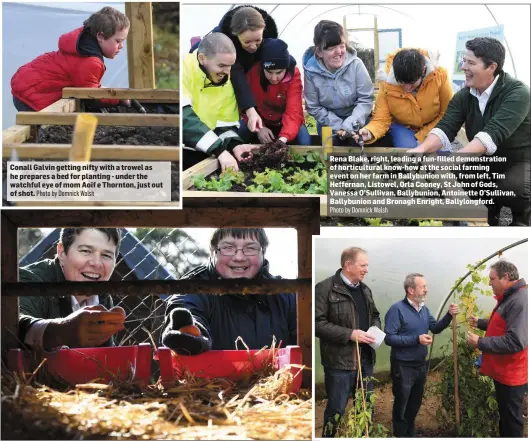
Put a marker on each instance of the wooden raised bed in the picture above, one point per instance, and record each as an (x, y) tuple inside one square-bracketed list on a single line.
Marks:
[(211, 165), (63, 112)]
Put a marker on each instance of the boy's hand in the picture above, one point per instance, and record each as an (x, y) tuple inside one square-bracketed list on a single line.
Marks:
[(226, 160)]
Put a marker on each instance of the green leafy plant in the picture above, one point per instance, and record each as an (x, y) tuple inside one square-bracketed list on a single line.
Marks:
[(430, 223), (377, 222), (225, 182), (478, 407)]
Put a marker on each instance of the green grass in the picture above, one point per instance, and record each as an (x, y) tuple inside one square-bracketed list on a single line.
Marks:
[(166, 51)]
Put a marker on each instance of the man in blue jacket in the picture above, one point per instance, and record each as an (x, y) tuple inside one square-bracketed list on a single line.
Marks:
[(406, 327), (220, 320)]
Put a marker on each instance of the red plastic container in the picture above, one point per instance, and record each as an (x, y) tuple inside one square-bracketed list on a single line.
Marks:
[(232, 364), (83, 365)]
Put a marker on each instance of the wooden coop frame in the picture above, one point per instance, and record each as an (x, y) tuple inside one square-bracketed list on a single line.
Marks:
[(63, 112), (301, 214), (211, 165)]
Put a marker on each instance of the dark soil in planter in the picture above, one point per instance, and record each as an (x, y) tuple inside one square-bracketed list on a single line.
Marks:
[(119, 135), (151, 108), (270, 155)]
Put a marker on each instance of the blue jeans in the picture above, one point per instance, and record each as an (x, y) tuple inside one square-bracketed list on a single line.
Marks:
[(340, 385), (302, 138), (402, 136)]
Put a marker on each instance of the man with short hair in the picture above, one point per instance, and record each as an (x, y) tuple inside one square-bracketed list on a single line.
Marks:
[(47, 322), (344, 311), (210, 111), (495, 109), (196, 323), (504, 346), (407, 324)]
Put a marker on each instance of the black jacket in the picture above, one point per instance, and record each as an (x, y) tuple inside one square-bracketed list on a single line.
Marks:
[(335, 319), (244, 60), (255, 318)]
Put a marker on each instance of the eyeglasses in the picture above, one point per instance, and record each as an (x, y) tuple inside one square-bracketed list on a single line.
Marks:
[(250, 250)]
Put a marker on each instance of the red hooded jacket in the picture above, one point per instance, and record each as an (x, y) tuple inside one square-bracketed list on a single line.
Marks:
[(280, 104), (505, 343), (77, 63)]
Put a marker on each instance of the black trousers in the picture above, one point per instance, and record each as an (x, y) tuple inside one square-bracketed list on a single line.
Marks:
[(408, 387), (510, 405)]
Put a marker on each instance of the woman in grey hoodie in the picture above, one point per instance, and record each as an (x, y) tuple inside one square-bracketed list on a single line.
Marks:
[(337, 87)]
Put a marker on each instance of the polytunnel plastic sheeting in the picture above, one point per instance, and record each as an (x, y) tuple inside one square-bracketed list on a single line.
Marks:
[(31, 29), (433, 27), (441, 261)]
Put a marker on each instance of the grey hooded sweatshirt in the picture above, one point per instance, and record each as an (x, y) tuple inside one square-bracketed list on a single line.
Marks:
[(338, 99)]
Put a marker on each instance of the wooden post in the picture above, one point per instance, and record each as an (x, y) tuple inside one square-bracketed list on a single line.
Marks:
[(83, 136), (326, 137), (140, 57), (456, 375), (304, 297), (9, 319)]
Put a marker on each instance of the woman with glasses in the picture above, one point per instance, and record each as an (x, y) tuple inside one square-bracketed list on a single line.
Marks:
[(196, 323), (412, 99)]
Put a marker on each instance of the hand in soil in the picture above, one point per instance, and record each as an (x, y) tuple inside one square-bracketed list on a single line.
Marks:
[(265, 135), (243, 152), (270, 155), (226, 160)]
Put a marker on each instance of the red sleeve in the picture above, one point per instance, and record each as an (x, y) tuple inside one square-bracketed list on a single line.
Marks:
[(293, 117), (89, 74)]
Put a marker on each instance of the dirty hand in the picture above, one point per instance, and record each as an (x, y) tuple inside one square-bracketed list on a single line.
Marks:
[(226, 160), (184, 335), (425, 339), (265, 135), (473, 321), (254, 124), (87, 327), (239, 150), (453, 309), (126, 103), (362, 336), (365, 135), (472, 339)]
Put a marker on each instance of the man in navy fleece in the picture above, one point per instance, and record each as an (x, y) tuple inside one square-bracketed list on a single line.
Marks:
[(406, 327)]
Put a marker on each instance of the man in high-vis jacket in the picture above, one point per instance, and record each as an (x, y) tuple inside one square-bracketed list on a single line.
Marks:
[(210, 111), (504, 346)]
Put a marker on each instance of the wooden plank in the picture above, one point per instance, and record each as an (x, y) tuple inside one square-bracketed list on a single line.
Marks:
[(82, 138), (310, 226), (206, 167), (253, 212), (140, 57), (15, 134), (104, 119), (352, 150), (155, 95), (99, 152), (9, 267), (153, 287), (62, 105)]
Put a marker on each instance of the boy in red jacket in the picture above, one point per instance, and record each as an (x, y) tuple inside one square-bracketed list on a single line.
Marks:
[(277, 89), (77, 63)]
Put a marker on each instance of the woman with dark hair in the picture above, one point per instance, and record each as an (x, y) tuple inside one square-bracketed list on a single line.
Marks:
[(277, 89), (412, 99), (247, 26), (337, 87)]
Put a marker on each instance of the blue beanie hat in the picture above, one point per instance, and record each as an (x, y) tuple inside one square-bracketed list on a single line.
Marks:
[(274, 54)]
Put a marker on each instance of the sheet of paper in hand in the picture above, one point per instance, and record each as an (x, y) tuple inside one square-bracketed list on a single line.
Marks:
[(378, 334)]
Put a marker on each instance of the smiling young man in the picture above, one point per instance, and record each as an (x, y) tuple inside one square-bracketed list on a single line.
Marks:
[(495, 109), (46, 322), (210, 112), (344, 311), (220, 320)]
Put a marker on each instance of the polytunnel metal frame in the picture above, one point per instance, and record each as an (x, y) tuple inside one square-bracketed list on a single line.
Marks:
[(462, 279), (379, 6)]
